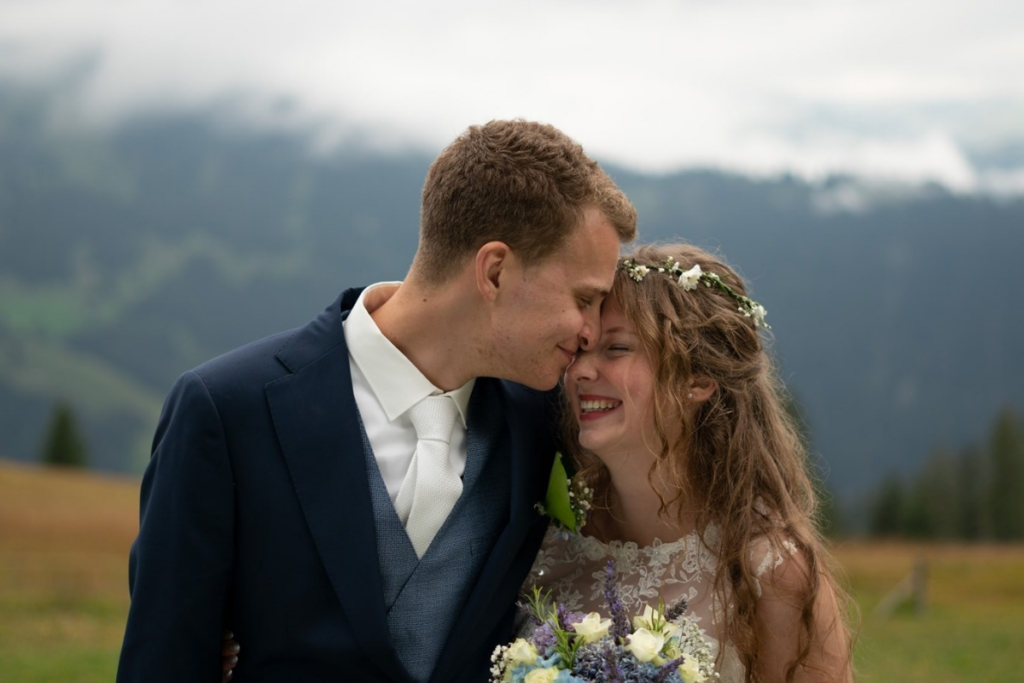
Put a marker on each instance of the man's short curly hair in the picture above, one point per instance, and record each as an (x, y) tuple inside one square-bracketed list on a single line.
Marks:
[(519, 182)]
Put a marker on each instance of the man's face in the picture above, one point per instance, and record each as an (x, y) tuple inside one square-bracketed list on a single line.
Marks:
[(555, 306)]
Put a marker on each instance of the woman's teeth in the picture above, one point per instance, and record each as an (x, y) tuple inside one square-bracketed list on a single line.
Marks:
[(595, 406)]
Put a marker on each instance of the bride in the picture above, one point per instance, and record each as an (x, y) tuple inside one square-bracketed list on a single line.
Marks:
[(700, 481)]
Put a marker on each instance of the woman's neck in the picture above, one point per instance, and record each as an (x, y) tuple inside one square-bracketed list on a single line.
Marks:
[(633, 507)]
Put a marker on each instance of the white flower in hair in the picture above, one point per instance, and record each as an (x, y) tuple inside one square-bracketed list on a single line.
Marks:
[(758, 314), (689, 278)]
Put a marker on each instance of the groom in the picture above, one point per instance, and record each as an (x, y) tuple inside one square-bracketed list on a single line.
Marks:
[(355, 498)]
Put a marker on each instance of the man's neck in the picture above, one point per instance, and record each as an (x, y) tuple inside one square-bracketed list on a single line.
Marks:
[(434, 327)]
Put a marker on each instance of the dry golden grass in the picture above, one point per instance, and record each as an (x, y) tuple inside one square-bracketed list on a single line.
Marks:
[(51, 506), (65, 536), (994, 571), (64, 540), (973, 628)]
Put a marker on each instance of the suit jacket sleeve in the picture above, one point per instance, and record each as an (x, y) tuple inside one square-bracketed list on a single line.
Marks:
[(181, 562)]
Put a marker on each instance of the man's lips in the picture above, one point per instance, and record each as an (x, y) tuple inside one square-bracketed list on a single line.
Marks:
[(594, 407), (569, 355)]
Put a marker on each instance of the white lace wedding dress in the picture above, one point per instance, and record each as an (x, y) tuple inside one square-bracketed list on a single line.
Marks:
[(573, 569)]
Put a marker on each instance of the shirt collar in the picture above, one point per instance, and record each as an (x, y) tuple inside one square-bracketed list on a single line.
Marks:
[(395, 381)]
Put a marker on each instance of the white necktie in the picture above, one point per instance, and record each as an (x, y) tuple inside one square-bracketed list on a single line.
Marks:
[(432, 486)]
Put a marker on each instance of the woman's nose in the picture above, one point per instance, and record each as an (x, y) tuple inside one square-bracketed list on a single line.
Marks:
[(582, 367)]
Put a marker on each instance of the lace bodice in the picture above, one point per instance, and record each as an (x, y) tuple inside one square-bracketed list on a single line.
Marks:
[(573, 569)]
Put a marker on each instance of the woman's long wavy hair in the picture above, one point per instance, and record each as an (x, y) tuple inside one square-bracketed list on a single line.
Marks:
[(739, 459)]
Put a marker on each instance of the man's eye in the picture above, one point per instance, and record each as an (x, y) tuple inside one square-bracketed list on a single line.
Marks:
[(585, 303)]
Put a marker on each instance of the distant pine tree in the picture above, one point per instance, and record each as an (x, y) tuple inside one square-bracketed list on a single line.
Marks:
[(887, 509), (941, 497), (917, 519), (972, 480), (1006, 453), (830, 518), (63, 443)]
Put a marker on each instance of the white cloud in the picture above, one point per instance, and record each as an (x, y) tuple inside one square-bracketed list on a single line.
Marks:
[(654, 84)]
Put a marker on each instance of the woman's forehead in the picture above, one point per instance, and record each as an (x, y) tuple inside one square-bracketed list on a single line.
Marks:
[(613, 320)]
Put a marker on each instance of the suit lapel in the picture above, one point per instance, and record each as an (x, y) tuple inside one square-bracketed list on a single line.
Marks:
[(317, 423), (531, 462)]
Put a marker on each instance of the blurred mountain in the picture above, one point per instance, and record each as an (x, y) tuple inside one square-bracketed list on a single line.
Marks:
[(130, 254)]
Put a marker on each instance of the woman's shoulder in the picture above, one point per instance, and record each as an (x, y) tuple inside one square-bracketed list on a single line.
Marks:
[(774, 553)]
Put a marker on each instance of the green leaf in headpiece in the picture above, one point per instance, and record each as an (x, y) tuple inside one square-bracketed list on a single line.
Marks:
[(557, 501)]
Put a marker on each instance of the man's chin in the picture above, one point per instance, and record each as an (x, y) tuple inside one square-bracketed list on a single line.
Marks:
[(541, 383)]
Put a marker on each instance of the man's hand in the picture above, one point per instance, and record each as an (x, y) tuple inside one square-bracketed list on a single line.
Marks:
[(229, 650)]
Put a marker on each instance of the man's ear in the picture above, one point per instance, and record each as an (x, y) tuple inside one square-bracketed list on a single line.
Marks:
[(701, 389), (493, 264)]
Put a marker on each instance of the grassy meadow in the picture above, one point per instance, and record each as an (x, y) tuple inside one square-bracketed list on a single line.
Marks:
[(64, 539)]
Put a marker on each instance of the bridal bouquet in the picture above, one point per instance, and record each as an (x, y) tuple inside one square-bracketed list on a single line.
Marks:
[(660, 646)]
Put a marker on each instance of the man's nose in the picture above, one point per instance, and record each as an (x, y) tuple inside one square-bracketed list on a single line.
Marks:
[(591, 331)]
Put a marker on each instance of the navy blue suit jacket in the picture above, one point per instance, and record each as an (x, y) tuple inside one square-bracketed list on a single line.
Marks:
[(256, 516)]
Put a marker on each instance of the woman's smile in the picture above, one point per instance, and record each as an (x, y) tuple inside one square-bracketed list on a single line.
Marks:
[(596, 407)]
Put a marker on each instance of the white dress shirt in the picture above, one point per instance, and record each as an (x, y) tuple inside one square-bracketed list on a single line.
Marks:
[(386, 385)]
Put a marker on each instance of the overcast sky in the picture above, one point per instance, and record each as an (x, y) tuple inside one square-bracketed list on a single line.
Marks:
[(904, 89)]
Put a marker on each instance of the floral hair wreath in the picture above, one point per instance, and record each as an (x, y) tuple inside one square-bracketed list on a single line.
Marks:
[(689, 279)]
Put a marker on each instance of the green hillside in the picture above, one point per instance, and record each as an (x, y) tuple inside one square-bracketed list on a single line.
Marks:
[(129, 255)]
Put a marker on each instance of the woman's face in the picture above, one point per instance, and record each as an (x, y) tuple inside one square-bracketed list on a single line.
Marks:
[(611, 391)]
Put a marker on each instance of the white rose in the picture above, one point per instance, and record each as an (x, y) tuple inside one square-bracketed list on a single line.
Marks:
[(593, 628), (548, 675), (646, 620), (645, 645), (690, 672), (689, 279), (522, 652)]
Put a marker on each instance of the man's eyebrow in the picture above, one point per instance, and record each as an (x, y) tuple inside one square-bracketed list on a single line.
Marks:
[(592, 290)]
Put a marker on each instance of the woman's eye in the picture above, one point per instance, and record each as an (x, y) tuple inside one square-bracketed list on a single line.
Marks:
[(618, 348)]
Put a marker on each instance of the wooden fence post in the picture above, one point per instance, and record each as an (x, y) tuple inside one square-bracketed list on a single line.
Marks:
[(913, 587), (920, 585)]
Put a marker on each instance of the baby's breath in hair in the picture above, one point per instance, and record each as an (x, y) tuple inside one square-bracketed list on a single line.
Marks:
[(689, 279)]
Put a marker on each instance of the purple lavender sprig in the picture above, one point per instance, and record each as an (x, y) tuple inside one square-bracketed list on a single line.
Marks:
[(612, 670), (543, 637), (620, 623), (676, 610), (668, 670), (561, 616)]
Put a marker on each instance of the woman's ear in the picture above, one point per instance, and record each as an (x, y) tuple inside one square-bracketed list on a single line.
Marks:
[(701, 389)]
